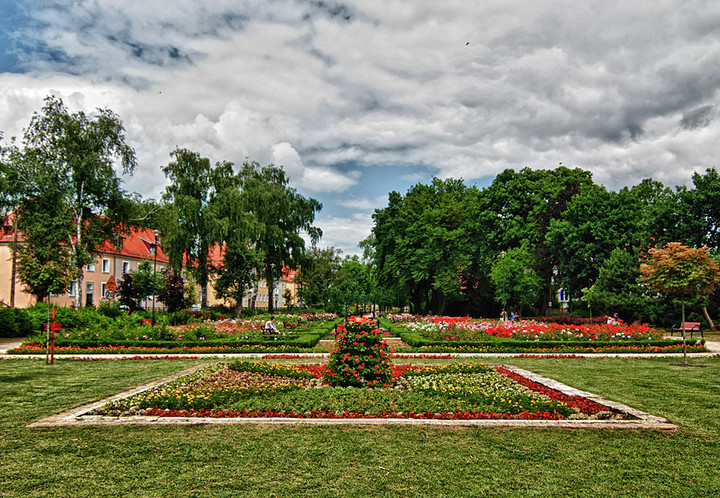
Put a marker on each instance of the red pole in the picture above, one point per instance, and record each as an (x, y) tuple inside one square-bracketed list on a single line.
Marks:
[(52, 339)]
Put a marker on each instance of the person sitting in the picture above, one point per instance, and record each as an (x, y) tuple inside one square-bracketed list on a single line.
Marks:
[(269, 327)]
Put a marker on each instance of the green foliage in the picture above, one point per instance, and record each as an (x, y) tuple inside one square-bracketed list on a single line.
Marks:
[(515, 280), (15, 322), (318, 273), (109, 308), (188, 228), (422, 242), (43, 277), (278, 214), (618, 288), (71, 198)]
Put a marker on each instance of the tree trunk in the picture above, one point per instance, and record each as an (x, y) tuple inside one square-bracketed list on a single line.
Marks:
[(271, 291), (707, 317), (14, 262), (238, 308), (682, 327)]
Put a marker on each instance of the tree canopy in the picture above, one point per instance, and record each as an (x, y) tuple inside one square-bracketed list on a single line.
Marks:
[(70, 198)]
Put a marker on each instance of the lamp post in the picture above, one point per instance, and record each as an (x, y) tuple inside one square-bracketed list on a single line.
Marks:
[(155, 246), (503, 280), (397, 291)]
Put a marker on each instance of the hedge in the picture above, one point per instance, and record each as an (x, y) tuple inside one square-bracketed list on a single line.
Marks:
[(304, 340), (415, 340), (15, 322)]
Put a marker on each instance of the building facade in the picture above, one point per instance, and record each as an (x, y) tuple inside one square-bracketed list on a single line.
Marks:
[(122, 256), (115, 259)]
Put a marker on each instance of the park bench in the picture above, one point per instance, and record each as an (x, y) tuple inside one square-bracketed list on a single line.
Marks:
[(688, 326)]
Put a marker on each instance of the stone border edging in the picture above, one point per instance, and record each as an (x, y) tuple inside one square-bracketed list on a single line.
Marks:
[(77, 416)]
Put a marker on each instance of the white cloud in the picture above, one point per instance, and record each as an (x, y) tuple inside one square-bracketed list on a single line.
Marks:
[(461, 89), (344, 232)]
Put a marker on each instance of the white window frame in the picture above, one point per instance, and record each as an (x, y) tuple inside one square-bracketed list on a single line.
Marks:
[(105, 265), (72, 291), (90, 267), (125, 264)]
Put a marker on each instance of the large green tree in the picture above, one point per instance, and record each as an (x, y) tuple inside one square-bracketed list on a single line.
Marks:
[(517, 285), (280, 216), (618, 287), (318, 274), (190, 226), (65, 172), (422, 243), (595, 222)]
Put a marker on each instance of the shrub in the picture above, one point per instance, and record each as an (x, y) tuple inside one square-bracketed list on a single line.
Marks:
[(110, 308), (569, 319), (15, 322), (359, 357)]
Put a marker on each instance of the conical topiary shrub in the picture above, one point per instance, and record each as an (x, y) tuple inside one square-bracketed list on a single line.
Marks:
[(360, 356)]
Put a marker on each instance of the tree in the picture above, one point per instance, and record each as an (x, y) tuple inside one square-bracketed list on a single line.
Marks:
[(318, 273), (42, 278), (237, 274), (145, 280), (353, 284), (189, 228), (172, 291), (618, 288), (237, 228), (595, 222), (128, 293), (279, 214), (516, 282), (71, 196), (682, 272), (422, 243)]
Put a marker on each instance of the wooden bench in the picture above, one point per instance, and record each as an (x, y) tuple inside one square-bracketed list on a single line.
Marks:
[(688, 326)]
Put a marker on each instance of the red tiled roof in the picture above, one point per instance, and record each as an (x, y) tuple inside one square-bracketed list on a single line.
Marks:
[(137, 244)]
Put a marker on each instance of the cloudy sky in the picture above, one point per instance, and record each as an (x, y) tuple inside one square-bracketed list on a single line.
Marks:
[(357, 98)]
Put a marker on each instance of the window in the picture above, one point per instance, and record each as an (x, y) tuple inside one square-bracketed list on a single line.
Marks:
[(126, 267), (90, 267), (73, 289), (89, 295), (105, 267)]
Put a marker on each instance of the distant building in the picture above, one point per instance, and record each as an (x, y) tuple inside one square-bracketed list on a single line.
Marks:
[(115, 259), (121, 257)]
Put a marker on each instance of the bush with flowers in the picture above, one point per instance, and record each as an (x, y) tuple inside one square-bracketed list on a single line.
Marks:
[(360, 356)]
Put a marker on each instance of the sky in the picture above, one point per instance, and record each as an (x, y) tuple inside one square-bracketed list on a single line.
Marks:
[(359, 98)]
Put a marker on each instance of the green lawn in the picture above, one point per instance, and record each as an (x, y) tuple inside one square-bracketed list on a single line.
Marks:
[(362, 461)]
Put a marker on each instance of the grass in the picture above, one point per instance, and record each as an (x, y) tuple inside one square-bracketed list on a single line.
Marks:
[(360, 461)]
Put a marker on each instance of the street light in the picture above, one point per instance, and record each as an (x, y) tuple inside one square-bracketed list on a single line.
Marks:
[(397, 290), (155, 246)]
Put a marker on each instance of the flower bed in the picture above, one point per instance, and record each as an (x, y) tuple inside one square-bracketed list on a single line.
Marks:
[(222, 336), (458, 391), (466, 335)]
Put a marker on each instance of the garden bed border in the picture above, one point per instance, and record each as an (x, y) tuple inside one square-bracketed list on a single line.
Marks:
[(78, 416)]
